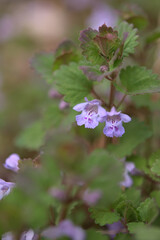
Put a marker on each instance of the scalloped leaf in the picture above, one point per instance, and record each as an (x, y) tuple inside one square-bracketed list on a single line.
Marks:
[(99, 47), (102, 216), (131, 40), (138, 80), (148, 210), (72, 83), (65, 53)]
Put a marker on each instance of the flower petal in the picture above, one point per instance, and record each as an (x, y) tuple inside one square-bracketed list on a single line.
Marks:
[(108, 131), (80, 119), (129, 166), (102, 112), (80, 107), (127, 181), (119, 131), (113, 112), (92, 123), (125, 117)]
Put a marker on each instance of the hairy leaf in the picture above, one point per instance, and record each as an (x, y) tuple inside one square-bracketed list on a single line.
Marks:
[(65, 53), (103, 216), (139, 80), (148, 210), (72, 83), (131, 41)]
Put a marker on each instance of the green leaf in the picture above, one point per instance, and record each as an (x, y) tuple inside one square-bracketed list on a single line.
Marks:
[(129, 141), (131, 41), (148, 210), (32, 137), (132, 227), (138, 21), (89, 48), (43, 64), (93, 73), (153, 158), (103, 216), (122, 236), (65, 53), (93, 234), (156, 167), (127, 211), (72, 83), (99, 46), (139, 80), (147, 233), (153, 36)]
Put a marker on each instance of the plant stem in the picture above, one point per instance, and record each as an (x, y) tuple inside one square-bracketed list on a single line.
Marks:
[(112, 95)]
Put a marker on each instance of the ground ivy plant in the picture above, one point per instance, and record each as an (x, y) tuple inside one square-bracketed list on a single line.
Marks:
[(96, 174)]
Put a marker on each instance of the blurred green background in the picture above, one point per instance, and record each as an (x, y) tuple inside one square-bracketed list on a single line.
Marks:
[(29, 27)]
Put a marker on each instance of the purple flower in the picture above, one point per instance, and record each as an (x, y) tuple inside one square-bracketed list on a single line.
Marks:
[(12, 162), (129, 167), (102, 13), (114, 121), (54, 94), (115, 228), (28, 235), (63, 105), (7, 236), (58, 193), (91, 198), (5, 188), (65, 228), (92, 112)]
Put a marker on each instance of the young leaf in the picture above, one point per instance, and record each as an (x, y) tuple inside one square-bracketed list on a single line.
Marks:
[(139, 80), (65, 53), (89, 48), (103, 216), (72, 83), (43, 64), (99, 46), (93, 73), (131, 40), (129, 141), (148, 210), (127, 211)]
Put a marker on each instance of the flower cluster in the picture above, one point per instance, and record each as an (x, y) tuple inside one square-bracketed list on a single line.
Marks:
[(92, 114)]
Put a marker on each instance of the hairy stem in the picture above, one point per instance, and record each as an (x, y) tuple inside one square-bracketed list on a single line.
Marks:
[(112, 95)]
